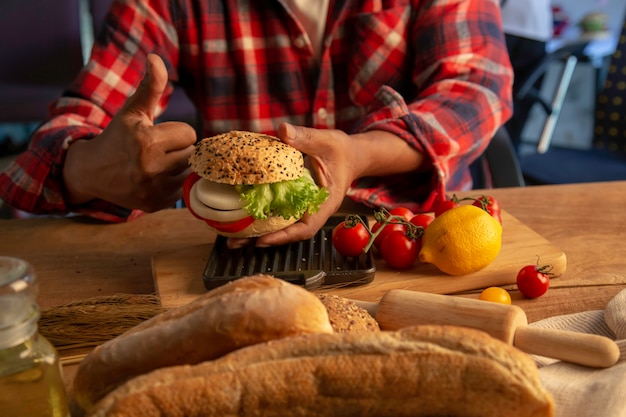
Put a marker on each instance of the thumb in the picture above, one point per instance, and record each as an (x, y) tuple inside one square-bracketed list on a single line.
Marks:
[(302, 138), (148, 95)]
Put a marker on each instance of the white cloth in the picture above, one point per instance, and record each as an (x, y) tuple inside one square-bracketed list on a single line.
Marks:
[(312, 17), (588, 392), (530, 19)]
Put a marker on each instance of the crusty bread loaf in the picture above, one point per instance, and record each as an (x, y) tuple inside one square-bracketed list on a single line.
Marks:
[(346, 316), (244, 312), (239, 157), (417, 371)]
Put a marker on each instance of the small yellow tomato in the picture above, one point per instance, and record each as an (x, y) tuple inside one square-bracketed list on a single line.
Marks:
[(496, 295)]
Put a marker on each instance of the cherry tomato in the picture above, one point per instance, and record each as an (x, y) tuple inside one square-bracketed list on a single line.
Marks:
[(489, 204), (402, 211), (422, 220), (389, 227), (533, 281), (350, 237), (445, 206), (496, 295), (399, 250)]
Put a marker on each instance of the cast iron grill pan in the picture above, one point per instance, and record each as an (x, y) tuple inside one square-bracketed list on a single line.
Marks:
[(310, 263)]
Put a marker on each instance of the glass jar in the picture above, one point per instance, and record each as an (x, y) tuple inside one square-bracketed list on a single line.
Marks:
[(31, 382)]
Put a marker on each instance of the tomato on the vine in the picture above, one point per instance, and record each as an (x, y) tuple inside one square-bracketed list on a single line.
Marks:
[(490, 205), (496, 295), (422, 220), (403, 212), (350, 237), (533, 281), (445, 206), (399, 250), (389, 227)]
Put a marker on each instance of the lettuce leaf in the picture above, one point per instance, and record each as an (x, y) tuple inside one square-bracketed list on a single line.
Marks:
[(286, 198)]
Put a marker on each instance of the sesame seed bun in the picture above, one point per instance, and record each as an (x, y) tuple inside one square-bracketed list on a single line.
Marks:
[(240, 157)]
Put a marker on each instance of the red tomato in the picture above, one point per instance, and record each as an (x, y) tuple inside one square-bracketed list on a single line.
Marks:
[(489, 204), (389, 227), (445, 206), (422, 220), (400, 251), (230, 227), (402, 211), (350, 239), (533, 281)]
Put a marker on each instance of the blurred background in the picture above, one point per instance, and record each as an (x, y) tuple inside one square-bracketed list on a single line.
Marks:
[(43, 44)]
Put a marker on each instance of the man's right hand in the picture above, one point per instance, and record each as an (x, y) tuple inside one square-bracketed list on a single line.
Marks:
[(133, 162)]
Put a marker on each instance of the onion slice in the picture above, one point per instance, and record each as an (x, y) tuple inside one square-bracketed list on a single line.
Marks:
[(207, 212)]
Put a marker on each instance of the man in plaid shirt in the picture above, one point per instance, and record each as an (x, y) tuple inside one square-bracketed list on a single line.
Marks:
[(391, 101)]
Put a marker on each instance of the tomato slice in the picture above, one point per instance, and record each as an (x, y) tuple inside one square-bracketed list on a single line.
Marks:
[(187, 184), (225, 227), (230, 227)]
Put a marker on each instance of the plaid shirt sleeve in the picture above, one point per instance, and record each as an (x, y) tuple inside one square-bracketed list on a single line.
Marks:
[(33, 183), (463, 79), (435, 73)]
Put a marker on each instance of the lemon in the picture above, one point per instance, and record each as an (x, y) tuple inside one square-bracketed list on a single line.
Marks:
[(462, 240)]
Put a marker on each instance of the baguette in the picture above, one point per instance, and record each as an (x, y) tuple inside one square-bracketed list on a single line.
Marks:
[(429, 370), (244, 312)]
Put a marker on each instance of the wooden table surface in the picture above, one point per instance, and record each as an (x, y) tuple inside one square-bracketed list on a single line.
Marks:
[(77, 258)]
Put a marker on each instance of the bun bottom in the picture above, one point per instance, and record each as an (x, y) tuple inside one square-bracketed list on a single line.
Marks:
[(259, 227)]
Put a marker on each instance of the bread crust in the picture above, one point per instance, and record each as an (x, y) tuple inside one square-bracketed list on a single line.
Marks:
[(417, 371), (239, 157), (244, 312), (346, 316)]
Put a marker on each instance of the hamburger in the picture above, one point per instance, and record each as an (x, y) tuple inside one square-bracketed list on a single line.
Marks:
[(247, 184), (594, 24)]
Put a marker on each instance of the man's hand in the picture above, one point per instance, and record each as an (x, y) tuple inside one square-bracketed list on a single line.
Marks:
[(337, 159), (329, 154), (133, 162)]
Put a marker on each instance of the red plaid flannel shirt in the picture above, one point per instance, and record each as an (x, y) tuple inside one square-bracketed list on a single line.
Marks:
[(434, 72)]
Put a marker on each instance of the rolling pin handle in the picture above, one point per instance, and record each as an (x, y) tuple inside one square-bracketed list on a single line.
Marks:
[(579, 348)]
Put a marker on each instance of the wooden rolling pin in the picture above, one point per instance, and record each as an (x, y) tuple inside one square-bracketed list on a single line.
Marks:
[(401, 308)]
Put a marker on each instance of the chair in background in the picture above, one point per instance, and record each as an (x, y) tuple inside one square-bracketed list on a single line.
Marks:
[(606, 160), (530, 93), (498, 166)]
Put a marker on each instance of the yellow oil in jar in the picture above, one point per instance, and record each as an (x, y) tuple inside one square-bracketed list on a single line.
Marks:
[(32, 388)]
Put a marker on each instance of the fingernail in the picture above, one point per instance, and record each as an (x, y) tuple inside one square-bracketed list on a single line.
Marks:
[(290, 131)]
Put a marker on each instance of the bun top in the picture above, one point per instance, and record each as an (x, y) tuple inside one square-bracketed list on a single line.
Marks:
[(240, 157)]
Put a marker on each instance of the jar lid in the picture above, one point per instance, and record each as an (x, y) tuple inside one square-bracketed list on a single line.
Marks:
[(16, 276), (18, 306)]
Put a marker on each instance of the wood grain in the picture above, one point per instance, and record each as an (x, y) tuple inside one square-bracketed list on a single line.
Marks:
[(178, 274), (77, 258)]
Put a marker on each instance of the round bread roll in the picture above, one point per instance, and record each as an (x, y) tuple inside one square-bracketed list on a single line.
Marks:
[(239, 157), (418, 372), (244, 312), (347, 317)]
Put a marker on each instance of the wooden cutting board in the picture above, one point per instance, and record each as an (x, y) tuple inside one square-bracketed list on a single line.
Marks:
[(178, 274)]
